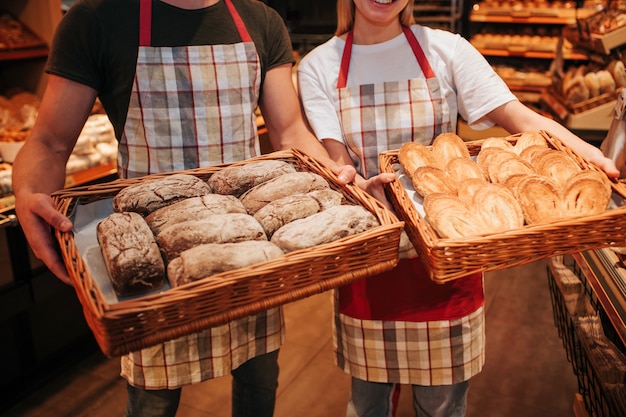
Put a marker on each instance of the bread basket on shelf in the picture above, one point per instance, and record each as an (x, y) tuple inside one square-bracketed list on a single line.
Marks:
[(449, 259), (132, 324)]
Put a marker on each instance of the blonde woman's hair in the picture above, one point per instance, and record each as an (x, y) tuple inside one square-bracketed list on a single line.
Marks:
[(345, 16)]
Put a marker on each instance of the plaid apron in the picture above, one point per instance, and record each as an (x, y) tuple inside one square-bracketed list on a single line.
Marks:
[(191, 107), (400, 326)]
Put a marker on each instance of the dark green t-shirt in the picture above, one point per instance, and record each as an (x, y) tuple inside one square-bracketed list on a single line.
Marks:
[(96, 42)]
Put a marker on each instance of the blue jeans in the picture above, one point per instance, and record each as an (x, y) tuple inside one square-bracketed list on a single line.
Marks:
[(373, 399), (253, 392)]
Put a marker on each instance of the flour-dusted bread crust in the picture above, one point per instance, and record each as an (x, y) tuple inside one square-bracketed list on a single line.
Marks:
[(282, 186), (147, 196), (324, 227), (219, 228), (130, 253), (212, 258), (278, 213), (237, 179), (194, 208)]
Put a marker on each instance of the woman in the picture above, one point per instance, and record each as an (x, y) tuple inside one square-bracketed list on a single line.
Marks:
[(380, 82)]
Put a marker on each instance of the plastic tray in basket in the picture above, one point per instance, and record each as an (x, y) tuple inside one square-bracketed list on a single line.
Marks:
[(124, 325), (449, 259)]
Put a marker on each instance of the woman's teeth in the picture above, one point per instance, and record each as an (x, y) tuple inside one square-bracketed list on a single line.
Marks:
[(383, 1)]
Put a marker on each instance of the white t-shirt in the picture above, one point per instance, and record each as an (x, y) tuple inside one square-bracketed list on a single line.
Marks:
[(468, 83)]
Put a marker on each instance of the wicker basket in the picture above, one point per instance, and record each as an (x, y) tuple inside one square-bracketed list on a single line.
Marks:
[(130, 325), (449, 259)]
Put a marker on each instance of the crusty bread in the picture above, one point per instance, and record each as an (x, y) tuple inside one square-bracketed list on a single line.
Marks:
[(212, 258), (237, 179), (282, 186), (147, 196), (607, 82), (278, 213), (194, 208), (218, 228), (130, 254), (324, 227)]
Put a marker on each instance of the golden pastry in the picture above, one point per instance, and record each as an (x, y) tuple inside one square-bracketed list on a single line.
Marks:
[(461, 169), (413, 155), (427, 180), (447, 146), (498, 208)]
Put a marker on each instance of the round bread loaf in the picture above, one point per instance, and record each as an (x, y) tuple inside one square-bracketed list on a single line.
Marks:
[(324, 227), (205, 260), (131, 255), (147, 196), (237, 179), (194, 208), (282, 186), (218, 228)]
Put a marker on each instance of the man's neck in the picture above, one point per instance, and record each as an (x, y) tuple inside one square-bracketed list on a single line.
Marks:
[(191, 4)]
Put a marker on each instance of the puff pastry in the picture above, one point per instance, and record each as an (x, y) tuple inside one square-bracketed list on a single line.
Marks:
[(461, 169), (497, 142), (450, 217), (447, 146), (413, 155), (497, 207), (555, 165), (530, 138), (587, 193), (427, 180), (539, 198)]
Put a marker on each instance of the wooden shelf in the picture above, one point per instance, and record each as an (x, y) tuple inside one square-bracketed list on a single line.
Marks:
[(577, 56)]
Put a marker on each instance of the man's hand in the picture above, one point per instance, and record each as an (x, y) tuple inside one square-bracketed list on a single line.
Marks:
[(37, 214)]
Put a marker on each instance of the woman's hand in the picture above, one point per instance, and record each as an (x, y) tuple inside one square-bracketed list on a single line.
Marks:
[(375, 186), (37, 214)]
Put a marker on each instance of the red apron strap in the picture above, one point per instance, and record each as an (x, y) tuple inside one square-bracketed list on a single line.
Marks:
[(241, 27), (345, 62), (415, 46), (145, 22), (419, 53)]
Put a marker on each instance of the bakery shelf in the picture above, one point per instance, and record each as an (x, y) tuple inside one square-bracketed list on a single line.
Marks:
[(577, 56)]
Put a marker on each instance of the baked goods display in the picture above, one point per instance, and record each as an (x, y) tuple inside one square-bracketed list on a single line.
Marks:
[(586, 82), (522, 182), (241, 215), (15, 35)]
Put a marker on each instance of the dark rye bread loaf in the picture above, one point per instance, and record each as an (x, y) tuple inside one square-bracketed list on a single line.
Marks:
[(212, 258), (150, 195), (282, 186), (324, 227), (237, 179), (194, 208), (130, 253), (218, 228), (278, 213)]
